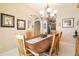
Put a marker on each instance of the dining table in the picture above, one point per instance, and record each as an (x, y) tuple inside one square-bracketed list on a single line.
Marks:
[(39, 44)]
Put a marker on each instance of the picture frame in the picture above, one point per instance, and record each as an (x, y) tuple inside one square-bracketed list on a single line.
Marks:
[(68, 23), (77, 23), (7, 20), (21, 24)]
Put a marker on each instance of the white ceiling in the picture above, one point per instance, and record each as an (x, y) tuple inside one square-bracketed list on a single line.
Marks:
[(41, 6)]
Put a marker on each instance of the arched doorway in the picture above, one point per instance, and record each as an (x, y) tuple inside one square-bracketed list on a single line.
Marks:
[(36, 28)]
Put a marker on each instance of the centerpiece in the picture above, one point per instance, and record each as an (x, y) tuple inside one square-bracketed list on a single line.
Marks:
[(44, 35)]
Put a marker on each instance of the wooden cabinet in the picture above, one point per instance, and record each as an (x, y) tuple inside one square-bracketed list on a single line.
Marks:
[(77, 47)]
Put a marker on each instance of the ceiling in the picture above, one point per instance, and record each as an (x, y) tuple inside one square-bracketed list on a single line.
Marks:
[(41, 6)]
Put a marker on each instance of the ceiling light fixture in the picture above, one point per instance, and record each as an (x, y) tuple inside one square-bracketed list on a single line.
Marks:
[(48, 13)]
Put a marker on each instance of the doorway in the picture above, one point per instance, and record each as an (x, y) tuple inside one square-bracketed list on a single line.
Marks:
[(36, 28)]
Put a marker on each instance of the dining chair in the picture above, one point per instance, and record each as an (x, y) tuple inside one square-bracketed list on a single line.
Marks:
[(28, 34), (21, 46), (58, 45), (53, 49)]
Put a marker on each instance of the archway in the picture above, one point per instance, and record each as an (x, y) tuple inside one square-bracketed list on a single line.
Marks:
[(36, 28)]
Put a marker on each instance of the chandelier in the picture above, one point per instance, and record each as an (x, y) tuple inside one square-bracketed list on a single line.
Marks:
[(48, 13)]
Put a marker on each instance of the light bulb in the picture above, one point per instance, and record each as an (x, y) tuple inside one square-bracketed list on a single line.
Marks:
[(30, 16), (49, 9), (55, 11), (52, 14), (42, 12)]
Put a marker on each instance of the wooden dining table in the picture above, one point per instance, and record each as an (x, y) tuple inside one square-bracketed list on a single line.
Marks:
[(39, 44)]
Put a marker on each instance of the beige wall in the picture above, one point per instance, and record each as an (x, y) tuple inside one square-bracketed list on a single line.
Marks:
[(68, 12), (8, 35)]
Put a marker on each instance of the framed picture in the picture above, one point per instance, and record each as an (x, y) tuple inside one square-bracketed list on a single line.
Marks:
[(7, 20), (21, 24), (77, 22), (68, 22)]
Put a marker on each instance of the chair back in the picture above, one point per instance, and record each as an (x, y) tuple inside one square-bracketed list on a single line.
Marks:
[(54, 43), (60, 35), (58, 44), (28, 35), (21, 47)]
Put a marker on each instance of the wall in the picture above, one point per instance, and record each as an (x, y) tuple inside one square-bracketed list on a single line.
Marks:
[(68, 12), (8, 35)]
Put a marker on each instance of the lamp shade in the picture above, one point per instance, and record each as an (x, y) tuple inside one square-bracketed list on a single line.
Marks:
[(52, 14), (49, 9), (55, 11), (41, 12)]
